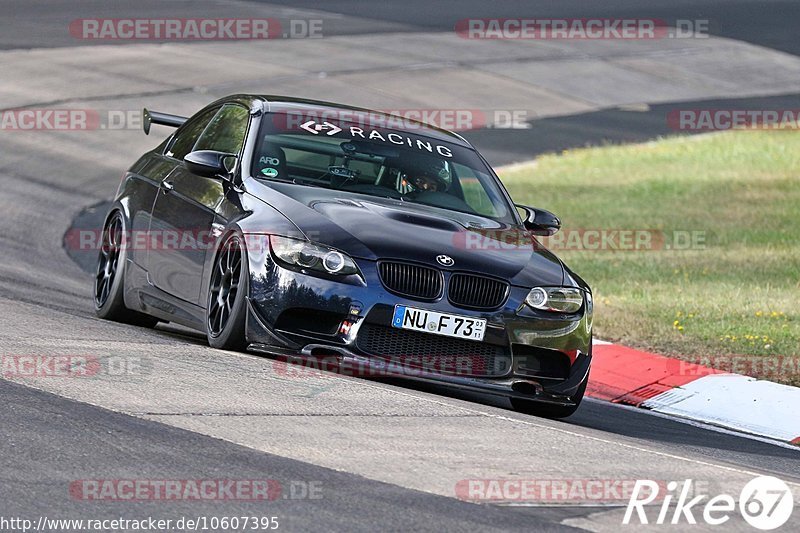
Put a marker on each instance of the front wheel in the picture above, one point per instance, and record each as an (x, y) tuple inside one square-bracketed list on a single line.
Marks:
[(226, 309), (535, 408), (109, 280)]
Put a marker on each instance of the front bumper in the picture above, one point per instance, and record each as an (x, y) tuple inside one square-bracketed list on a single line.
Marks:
[(525, 353)]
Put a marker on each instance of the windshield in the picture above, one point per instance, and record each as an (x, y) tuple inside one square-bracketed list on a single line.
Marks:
[(378, 162)]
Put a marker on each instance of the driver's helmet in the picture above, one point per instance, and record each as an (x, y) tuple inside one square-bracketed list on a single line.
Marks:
[(429, 175)]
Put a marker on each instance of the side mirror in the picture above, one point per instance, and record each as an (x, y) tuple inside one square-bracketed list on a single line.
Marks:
[(539, 221), (211, 164)]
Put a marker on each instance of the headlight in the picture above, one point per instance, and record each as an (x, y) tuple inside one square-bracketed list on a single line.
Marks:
[(559, 299), (309, 256)]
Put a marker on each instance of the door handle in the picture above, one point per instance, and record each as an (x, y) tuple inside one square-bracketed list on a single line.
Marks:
[(167, 186), (217, 229)]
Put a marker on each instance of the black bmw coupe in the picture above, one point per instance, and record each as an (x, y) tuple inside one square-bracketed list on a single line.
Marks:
[(309, 230)]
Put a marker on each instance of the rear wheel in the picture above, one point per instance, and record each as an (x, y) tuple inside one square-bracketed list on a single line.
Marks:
[(109, 282), (535, 408), (226, 310)]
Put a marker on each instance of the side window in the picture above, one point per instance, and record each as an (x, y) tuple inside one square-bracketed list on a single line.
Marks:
[(225, 132), (187, 135), (474, 192)]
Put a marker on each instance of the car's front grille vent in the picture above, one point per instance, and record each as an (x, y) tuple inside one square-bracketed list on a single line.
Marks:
[(409, 280), (433, 353), (476, 292)]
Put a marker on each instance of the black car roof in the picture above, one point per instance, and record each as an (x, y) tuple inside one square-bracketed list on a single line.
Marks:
[(279, 104)]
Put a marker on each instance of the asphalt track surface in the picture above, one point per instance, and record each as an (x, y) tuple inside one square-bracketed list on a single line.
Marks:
[(771, 23), (386, 455)]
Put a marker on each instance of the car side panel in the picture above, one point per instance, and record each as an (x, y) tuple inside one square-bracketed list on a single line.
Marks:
[(137, 193), (180, 226)]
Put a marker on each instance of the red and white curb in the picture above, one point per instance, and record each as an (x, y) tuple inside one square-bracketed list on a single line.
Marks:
[(687, 390)]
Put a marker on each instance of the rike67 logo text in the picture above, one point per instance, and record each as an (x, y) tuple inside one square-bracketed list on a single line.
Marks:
[(766, 503)]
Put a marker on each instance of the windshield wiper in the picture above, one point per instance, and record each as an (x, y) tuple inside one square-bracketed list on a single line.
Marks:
[(295, 181)]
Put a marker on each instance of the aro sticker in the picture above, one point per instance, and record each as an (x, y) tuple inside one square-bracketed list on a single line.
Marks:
[(269, 172)]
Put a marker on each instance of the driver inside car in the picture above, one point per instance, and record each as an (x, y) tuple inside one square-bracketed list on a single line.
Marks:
[(431, 177), (426, 183)]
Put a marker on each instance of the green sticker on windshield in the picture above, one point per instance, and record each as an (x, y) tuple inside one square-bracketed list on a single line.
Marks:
[(269, 172)]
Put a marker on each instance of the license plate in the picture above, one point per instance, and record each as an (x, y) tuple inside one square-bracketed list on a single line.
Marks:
[(462, 327)]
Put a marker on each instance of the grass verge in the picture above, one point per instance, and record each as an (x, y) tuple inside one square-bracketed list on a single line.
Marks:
[(721, 284)]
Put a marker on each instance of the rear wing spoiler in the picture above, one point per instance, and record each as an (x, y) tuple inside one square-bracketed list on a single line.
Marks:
[(165, 119)]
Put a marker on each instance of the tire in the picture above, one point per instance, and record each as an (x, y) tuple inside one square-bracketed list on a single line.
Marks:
[(109, 280), (544, 410), (227, 295)]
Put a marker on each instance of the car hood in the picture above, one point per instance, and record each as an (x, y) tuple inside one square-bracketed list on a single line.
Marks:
[(373, 228)]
